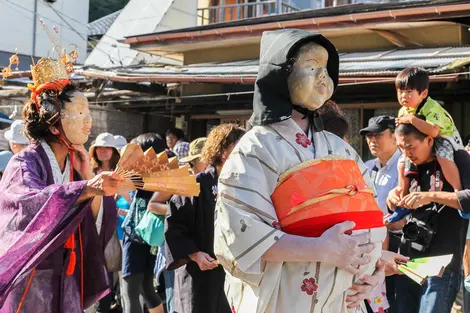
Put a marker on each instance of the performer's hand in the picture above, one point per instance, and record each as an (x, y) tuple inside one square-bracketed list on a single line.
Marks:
[(391, 261), (414, 200), (81, 162), (104, 184), (364, 289), (346, 251), (203, 260)]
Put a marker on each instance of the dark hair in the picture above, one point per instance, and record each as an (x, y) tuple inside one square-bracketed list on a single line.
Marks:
[(38, 123), (412, 78), (334, 119), (219, 140), (408, 129), (151, 140), (466, 141), (96, 163), (178, 133)]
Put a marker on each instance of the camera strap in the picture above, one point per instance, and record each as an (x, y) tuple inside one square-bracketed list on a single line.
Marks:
[(437, 185)]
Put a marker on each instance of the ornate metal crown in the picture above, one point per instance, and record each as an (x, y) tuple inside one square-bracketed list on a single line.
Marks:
[(47, 70)]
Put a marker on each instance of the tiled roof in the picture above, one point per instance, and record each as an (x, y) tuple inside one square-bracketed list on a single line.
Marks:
[(100, 26)]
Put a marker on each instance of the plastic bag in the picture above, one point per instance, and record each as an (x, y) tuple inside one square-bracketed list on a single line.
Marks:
[(151, 229)]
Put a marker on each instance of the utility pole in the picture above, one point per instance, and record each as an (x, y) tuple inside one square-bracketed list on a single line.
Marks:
[(34, 28)]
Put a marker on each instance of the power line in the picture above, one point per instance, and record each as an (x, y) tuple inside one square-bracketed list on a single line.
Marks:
[(229, 94), (81, 36), (11, 6), (75, 20), (69, 27)]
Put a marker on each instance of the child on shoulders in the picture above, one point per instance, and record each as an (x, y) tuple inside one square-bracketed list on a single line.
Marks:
[(429, 117)]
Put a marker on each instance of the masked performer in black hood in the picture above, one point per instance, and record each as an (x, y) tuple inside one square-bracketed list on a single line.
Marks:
[(289, 191)]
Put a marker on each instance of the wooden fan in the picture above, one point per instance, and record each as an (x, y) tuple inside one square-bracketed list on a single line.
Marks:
[(155, 172)]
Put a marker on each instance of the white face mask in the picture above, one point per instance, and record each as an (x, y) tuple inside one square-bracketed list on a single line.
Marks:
[(310, 85), (76, 119)]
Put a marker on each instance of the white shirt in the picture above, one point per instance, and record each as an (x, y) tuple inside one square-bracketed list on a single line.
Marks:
[(385, 178)]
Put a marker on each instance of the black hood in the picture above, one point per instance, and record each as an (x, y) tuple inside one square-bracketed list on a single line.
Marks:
[(271, 100)]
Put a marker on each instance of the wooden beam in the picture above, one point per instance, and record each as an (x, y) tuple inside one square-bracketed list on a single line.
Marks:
[(10, 93), (370, 105), (216, 116), (397, 39)]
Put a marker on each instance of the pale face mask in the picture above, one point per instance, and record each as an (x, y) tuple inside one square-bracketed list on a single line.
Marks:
[(76, 119), (310, 85)]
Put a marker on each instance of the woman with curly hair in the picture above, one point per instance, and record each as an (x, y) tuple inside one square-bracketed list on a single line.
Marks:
[(199, 280), (51, 255)]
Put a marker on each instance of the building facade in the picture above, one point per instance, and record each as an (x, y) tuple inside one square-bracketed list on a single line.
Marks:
[(375, 41), (21, 28)]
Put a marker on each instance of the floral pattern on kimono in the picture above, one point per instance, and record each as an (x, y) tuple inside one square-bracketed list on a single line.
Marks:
[(246, 183)]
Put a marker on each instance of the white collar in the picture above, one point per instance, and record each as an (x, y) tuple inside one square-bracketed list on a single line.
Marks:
[(59, 176), (390, 161)]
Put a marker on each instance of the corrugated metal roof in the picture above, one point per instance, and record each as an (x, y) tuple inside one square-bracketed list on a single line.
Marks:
[(380, 63)]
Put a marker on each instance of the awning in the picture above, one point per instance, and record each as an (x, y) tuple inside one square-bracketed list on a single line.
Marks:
[(443, 64)]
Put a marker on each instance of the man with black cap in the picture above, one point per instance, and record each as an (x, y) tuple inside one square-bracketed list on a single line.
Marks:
[(380, 138), (270, 269), (382, 144)]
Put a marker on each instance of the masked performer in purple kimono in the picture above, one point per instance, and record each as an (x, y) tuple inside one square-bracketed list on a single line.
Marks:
[(51, 255)]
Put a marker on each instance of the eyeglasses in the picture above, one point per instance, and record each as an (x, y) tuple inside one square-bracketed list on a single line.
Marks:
[(374, 135)]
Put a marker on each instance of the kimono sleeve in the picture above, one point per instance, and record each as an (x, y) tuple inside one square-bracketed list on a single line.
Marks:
[(31, 214), (179, 232), (246, 224)]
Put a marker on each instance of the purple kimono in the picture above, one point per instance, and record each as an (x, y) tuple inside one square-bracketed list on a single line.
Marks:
[(36, 218)]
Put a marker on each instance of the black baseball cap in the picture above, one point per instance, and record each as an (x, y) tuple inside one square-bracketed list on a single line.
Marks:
[(378, 124)]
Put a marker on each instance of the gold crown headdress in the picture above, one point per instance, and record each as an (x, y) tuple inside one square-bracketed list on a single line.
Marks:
[(47, 73)]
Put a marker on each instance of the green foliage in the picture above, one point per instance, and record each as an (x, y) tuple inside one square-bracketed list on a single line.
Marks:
[(100, 8)]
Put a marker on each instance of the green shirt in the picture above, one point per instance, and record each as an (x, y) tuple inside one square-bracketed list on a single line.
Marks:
[(435, 114)]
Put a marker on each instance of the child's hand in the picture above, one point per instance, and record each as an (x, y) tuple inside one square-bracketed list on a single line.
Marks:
[(405, 119)]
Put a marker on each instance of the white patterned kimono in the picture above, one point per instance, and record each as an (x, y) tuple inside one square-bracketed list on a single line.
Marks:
[(247, 226)]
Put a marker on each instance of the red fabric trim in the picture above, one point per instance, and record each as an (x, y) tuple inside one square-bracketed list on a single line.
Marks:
[(57, 85), (315, 227)]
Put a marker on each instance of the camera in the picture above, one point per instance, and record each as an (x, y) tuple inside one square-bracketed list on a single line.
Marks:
[(419, 234)]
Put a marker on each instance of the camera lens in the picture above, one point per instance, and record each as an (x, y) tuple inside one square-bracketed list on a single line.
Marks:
[(411, 231)]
